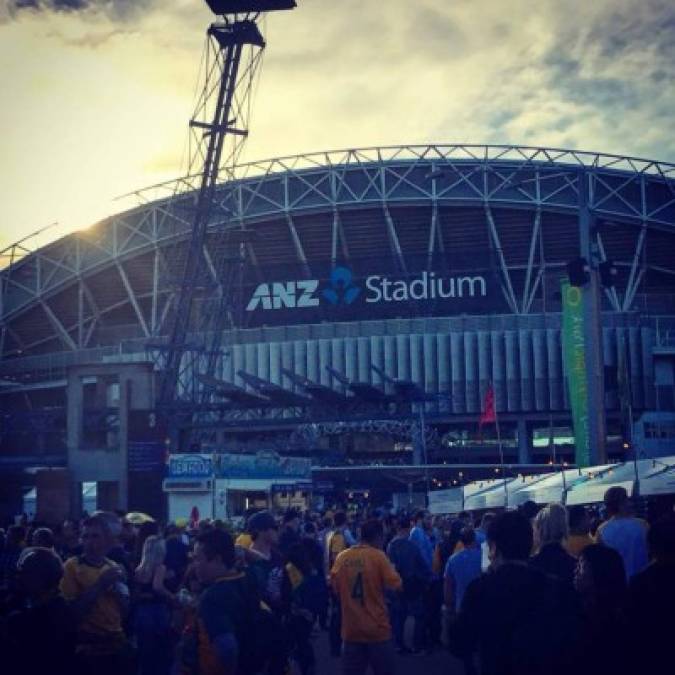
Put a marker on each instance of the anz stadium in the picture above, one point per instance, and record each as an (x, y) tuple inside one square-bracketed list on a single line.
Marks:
[(354, 308)]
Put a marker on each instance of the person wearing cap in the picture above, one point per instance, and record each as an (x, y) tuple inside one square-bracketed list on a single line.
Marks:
[(623, 532), (290, 535), (42, 636), (265, 560)]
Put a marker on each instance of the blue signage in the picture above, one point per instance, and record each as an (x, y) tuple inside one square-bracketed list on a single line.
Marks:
[(368, 289), (225, 465), (262, 465), (145, 455), (190, 465)]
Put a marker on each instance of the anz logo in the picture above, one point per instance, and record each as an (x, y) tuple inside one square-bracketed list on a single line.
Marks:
[(298, 294), (284, 294), (341, 289)]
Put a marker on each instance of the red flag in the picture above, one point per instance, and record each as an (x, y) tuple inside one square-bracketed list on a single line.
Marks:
[(489, 413)]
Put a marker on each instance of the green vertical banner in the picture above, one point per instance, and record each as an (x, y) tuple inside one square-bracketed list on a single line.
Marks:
[(574, 350)]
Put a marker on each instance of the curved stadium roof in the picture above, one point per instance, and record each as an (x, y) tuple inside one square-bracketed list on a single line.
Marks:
[(403, 209)]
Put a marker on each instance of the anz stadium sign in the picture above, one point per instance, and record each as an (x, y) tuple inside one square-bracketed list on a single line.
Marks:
[(341, 289)]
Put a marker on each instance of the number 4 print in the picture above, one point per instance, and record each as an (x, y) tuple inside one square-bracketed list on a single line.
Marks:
[(357, 588)]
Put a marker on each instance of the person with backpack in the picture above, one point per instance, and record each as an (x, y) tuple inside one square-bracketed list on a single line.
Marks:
[(266, 566), (265, 562), (305, 593), (226, 634), (316, 554)]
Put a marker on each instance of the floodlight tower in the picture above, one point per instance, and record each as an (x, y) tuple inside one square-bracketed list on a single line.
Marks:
[(218, 129)]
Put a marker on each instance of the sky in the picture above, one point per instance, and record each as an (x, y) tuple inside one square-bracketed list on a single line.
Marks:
[(97, 94)]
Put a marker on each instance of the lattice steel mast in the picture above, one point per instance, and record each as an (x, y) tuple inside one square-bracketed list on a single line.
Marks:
[(219, 123)]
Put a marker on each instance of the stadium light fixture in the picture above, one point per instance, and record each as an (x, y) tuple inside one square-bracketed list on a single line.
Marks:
[(578, 272), (608, 273), (248, 6)]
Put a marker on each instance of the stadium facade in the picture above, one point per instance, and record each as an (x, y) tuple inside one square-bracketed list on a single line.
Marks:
[(434, 267)]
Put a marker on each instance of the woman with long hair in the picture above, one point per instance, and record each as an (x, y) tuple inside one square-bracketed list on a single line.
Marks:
[(152, 617), (550, 532)]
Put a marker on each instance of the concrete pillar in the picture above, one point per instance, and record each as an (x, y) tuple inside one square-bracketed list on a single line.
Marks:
[(403, 357), (458, 376), (541, 396), (109, 461), (512, 370), (107, 495), (126, 385), (471, 373), (75, 488), (74, 414), (524, 443), (444, 379)]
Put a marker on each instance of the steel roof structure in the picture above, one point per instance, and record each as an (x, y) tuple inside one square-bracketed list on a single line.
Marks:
[(92, 288)]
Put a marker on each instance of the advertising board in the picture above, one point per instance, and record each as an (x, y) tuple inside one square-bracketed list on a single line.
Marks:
[(360, 291)]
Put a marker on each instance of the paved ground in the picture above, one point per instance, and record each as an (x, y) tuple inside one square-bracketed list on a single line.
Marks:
[(438, 663)]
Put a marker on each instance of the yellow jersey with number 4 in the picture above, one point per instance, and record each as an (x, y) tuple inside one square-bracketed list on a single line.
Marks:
[(360, 576)]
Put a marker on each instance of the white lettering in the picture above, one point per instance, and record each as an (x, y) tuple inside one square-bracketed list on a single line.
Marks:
[(400, 291), (301, 293), (371, 285), (283, 294), (450, 293), (471, 281), (385, 289), (420, 284), (308, 288), (261, 295)]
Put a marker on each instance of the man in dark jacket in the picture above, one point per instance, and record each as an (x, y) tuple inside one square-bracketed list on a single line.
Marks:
[(415, 574), (516, 619), (42, 635), (651, 598)]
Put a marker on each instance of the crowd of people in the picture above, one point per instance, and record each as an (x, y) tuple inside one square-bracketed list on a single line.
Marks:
[(523, 591)]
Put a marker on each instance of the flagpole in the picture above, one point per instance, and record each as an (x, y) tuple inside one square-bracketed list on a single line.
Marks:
[(626, 401), (501, 449)]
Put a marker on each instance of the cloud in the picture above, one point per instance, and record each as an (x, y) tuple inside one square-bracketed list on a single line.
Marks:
[(90, 39), (118, 10), (590, 76)]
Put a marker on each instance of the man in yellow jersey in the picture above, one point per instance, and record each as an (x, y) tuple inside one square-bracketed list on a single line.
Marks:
[(95, 588), (360, 576)]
